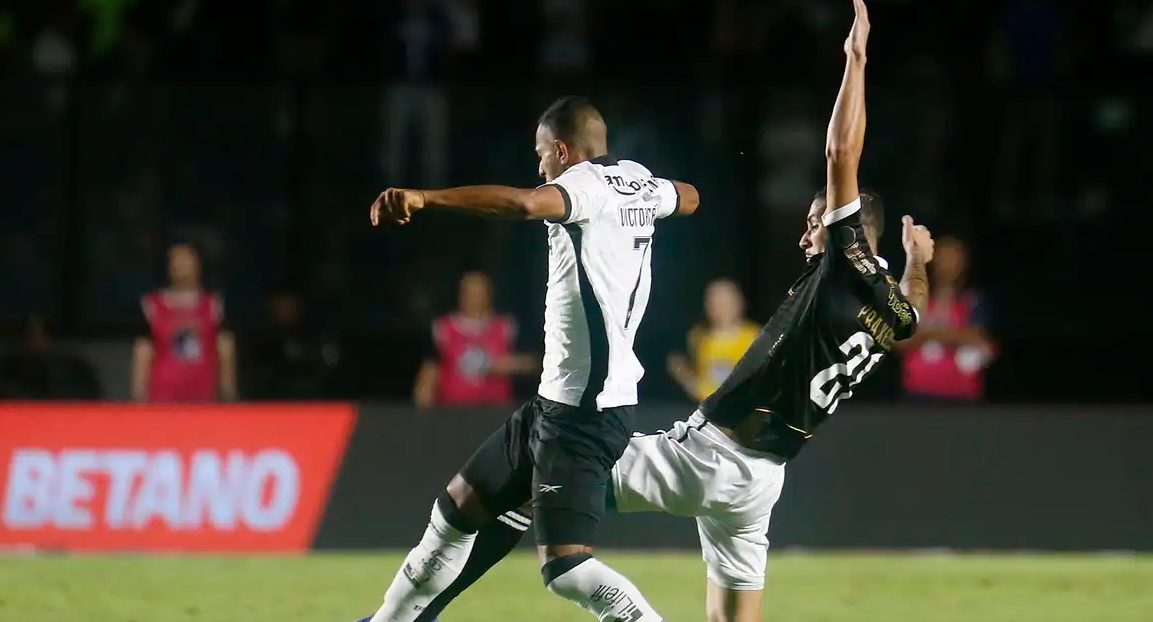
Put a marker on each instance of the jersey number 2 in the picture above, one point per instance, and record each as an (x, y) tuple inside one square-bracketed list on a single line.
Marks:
[(832, 384)]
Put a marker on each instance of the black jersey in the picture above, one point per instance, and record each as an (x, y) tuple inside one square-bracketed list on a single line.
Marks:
[(839, 320)]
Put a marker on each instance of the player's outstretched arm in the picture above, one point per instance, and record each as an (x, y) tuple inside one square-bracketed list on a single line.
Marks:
[(396, 206), (918, 243), (846, 136), (689, 199)]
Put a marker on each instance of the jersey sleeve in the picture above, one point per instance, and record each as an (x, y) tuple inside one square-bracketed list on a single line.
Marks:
[(583, 194), (668, 199), (848, 254)]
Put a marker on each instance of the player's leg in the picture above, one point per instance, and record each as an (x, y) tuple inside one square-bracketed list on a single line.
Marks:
[(728, 605), (656, 472), (494, 541), (735, 557), (495, 479), (734, 545), (574, 450), (660, 473)]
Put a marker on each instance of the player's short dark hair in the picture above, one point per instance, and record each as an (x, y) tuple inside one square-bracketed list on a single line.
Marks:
[(872, 208), (566, 116)]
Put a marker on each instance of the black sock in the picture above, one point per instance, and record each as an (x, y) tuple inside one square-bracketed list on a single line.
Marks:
[(493, 543)]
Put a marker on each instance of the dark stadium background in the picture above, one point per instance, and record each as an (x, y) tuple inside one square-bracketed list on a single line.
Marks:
[(258, 131), (255, 130)]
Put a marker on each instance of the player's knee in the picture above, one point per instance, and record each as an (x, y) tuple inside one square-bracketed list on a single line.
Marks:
[(733, 605), (733, 579), (556, 567), (454, 515)]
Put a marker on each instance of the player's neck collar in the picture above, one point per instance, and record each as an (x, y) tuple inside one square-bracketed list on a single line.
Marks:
[(604, 160), (882, 261)]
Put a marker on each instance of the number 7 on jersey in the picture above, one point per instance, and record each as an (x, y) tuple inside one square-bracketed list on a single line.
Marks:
[(641, 244)]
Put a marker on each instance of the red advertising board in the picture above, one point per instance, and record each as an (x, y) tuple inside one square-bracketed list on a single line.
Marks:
[(115, 477)]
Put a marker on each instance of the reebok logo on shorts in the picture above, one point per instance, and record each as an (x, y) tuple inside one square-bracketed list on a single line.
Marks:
[(549, 488)]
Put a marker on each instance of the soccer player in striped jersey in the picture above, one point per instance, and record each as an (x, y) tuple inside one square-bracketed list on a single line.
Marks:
[(555, 452)]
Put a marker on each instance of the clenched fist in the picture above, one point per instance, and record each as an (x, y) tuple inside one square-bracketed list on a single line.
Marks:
[(395, 206), (916, 239)]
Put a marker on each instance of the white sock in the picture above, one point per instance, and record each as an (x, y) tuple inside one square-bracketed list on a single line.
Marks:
[(427, 571), (603, 592)]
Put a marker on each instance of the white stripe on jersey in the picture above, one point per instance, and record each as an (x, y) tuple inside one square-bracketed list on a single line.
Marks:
[(599, 280)]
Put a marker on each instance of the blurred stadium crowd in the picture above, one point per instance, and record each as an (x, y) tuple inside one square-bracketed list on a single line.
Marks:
[(259, 132)]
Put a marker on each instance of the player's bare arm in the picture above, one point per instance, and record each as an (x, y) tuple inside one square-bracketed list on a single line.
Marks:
[(846, 135), (395, 206), (689, 201), (918, 243)]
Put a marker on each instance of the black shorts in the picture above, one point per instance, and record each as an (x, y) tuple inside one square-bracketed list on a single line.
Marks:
[(556, 456)]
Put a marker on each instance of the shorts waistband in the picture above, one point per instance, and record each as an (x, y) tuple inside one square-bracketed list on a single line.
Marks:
[(700, 423)]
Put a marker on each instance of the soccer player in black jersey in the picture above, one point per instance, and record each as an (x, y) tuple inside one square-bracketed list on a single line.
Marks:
[(724, 466)]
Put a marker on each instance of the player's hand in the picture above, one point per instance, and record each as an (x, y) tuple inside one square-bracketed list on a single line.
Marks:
[(395, 206), (917, 239), (859, 34)]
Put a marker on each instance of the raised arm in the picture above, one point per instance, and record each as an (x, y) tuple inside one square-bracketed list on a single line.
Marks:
[(397, 205), (918, 243), (846, 136)]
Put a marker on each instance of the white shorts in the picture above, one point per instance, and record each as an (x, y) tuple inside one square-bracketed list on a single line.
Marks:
[(695, 470)]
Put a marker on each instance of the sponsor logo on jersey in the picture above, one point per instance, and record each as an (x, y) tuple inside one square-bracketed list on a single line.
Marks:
[(630, 186)]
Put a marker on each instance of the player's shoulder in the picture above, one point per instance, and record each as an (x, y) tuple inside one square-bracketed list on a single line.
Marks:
[(635, 168), (584, 174)]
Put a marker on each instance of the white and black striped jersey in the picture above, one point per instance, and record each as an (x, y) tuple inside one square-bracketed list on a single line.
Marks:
[(599, 279)]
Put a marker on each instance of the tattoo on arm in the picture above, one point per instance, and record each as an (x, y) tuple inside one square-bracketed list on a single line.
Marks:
[(915, 283)]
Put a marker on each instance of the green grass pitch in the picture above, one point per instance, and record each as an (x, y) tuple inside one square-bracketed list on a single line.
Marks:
[(340, 587)]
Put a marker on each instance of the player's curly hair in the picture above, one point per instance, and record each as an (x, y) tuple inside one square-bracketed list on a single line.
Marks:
[(872, 209)]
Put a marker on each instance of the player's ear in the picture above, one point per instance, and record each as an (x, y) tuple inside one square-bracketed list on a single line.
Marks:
[(562, 151)]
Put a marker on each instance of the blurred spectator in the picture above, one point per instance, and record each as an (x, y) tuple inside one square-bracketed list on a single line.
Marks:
[(471, 359), (287, 360), (39, 370), (716, 345), (947, 357), (187, 356), (415, 106)]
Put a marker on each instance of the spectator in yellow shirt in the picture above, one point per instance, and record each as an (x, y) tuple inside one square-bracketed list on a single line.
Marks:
[(714, 346)]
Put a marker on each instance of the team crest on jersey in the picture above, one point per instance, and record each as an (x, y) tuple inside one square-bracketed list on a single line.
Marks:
[(474, 363), (186, 344)]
